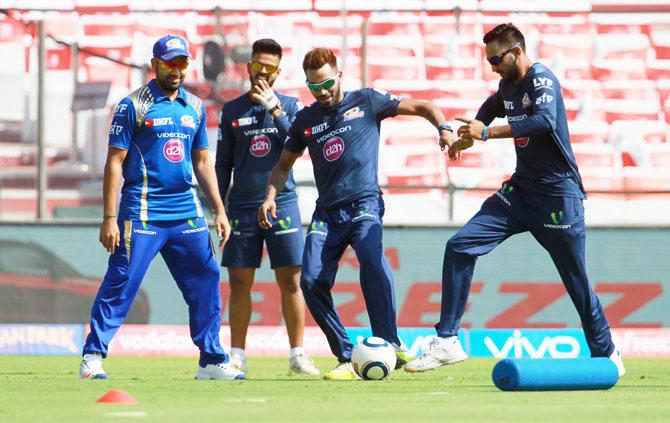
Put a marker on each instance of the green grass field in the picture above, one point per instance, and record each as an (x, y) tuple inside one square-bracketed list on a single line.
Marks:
[(44, 389)]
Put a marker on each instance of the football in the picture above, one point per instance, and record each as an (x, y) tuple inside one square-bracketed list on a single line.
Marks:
[(373, 358)]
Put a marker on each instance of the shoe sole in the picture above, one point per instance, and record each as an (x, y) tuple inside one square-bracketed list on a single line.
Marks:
[(411, 370)]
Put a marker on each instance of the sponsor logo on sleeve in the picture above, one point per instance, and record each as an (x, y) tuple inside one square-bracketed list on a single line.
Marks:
[(115, 129), (544, 98), (509, 105), (120, 109), (173, 150), (333, 149), (543, 82), (260, 146), (188, 121)]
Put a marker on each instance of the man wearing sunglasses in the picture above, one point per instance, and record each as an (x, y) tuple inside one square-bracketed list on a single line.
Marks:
[(157, 141), (544, 196), (252, 131), (341, 131)]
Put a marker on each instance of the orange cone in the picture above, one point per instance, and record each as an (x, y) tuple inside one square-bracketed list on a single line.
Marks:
[(117, 396)]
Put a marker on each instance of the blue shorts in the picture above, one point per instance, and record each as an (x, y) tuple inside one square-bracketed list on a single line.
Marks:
[(284, 240)]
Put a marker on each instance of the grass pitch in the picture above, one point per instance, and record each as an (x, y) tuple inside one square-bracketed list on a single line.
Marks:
[(45, 389)]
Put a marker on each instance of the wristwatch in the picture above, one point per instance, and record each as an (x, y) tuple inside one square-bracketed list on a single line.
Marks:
[(444, 126), (274, 109)]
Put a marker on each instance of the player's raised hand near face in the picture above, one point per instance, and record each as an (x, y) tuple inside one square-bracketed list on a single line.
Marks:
[(472, 129), (263, 93), (109, 237)]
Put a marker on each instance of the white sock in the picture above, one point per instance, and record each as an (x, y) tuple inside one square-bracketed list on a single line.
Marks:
[(238, 352), (297, 351)]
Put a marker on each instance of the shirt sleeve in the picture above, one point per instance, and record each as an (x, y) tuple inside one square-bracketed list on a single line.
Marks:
[(295, 143), (492, 108), (225, 146), (543, 98), (200, 140), (383, 104), (123, 125)]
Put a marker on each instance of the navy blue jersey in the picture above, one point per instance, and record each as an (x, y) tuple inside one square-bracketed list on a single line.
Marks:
[(159, 135), (343, 143), (534, 109), (249, 144)]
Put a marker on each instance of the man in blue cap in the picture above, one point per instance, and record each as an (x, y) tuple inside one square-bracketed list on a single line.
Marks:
[(157, 141)]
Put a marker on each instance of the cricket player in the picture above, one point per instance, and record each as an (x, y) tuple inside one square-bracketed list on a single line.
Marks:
[(157, 141), (252, 131), (341, 132), (544, 196)]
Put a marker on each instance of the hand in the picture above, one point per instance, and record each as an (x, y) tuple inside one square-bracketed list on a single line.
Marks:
[(472, 129), (267, 206), (460, 145), (262, 93), (447, 138), (109, 237), (222, 228)]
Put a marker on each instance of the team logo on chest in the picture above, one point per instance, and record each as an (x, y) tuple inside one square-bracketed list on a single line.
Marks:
[(187, 121), (353, 113), (260, 146), (333, 149), (173, 150), (525, 101)]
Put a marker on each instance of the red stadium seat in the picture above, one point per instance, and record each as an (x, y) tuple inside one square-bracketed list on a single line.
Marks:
[(660, 155), (618, 69), (630, 46), (394, 68), (417, 89), (588, 131), (660, 40), (582, 88), (453, 107), (641, 182), (573, 46), (630, 110), (457, 68), (464, 88), (657, 69), (642, 89), (594, 155)]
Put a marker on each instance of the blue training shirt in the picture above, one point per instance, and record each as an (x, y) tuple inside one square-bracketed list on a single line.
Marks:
[(159, 135), (249, 144), (343, 143), (534, 109)]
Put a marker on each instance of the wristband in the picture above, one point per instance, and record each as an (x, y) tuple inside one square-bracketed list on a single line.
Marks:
[(484, 131), (277, 107), (108, 216), (444, 126)]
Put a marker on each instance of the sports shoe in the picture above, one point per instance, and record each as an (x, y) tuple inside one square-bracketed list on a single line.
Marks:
[(402, 356), (343, 371), (439, 352), (91, 367), (616, 359), (301, 364), (221, 371), (239, 361)]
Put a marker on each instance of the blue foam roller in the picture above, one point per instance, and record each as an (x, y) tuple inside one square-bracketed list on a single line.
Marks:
[(526, 374)]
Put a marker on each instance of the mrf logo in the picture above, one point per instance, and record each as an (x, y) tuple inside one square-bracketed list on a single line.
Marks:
[(260, 146), (173, 150), (333, 149)]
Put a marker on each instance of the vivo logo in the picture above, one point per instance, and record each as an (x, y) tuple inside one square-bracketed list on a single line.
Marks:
[(518, 346)]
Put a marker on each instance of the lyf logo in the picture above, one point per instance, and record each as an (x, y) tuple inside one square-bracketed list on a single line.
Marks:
[(260, 146), (333, 149), (521, 142), (173, 150)]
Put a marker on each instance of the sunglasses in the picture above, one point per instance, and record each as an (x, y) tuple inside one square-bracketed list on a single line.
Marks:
[(175, 65), (496, 60), (257, 67), (326, 85)]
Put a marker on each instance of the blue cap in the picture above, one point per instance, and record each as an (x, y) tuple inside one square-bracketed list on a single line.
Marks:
[(169, 47)]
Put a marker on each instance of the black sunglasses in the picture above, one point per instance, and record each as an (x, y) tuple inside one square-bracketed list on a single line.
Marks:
[(496, 60)]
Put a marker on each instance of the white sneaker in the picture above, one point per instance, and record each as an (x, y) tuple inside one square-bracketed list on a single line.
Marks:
[(221, 371), (91, 367), (239, 361), (301, 364), (616, 359), (439, 352)]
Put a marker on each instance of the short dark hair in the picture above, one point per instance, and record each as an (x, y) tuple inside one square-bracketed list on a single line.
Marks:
[(506, 34), (266, 45), (318, 57)]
